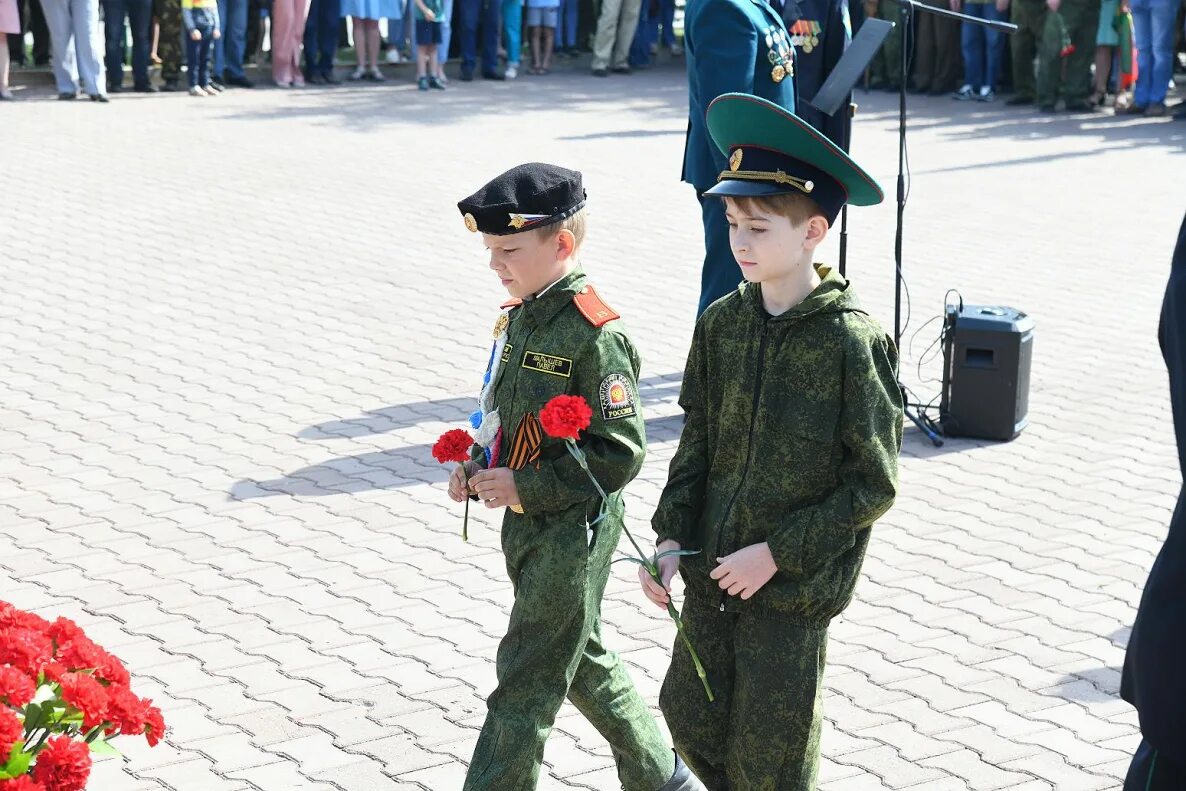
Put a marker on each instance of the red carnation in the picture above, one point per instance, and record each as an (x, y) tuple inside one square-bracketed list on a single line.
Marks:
[(565, 416), (25, 649), (63, 764), (87, 695), (22, 783), (154, 724), (454, 445), (11, 732), (12, 617), (74, 649), (125, 711), (16, 688)]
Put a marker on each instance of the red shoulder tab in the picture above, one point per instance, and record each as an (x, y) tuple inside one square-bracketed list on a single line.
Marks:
[(511, 303), (591, 306)]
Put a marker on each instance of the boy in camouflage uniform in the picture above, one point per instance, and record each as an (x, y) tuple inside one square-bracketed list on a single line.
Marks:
[(787, 457), (555, 337)]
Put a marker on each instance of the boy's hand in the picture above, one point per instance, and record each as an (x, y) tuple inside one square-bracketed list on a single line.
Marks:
[(1053, 5), (457, 489), (660, 595), (495, 487), (217, 35), (429, 16), (1002, 5), (195, 34), (745, 571)]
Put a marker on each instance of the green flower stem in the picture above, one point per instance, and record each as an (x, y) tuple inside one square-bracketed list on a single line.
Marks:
[(649, 565), (679, 627), (465, 519)]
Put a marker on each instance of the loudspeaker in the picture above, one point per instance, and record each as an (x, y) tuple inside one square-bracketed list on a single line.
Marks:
[(986, 372)]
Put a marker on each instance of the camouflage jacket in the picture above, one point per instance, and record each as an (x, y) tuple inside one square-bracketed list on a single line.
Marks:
[(793, 429), (569, 342)]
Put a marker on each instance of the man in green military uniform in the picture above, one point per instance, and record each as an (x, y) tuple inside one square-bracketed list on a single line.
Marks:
[(787, 458), (886, 67), (1030, 18), (730, 45), (168, 14), (1066, 53), (555, 337)]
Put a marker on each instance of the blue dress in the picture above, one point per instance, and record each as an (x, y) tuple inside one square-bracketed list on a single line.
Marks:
[(372, 9)]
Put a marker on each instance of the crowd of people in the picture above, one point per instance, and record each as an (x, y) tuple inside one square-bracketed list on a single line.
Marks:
[(85, 41), (1077, 55), (1089, 53)]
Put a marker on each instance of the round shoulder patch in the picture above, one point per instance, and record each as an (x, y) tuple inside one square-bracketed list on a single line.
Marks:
[(617, 397)]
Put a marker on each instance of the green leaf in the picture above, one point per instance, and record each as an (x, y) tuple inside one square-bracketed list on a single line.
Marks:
[(662, 555), (104, 748), (18, 763), (32, 716)]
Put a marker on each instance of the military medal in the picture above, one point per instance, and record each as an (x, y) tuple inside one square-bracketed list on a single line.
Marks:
[(778, 74), (773, 56), (807, 46)]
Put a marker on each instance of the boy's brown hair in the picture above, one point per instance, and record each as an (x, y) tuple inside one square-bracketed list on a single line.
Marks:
[(575, 225), (796, 207)]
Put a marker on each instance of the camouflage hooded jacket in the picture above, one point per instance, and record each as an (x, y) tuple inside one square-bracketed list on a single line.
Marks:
[(793, 429)]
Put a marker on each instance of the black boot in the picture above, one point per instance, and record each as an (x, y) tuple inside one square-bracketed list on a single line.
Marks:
[(682, 779)]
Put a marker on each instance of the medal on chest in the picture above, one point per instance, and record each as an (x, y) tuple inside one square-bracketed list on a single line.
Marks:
[(779, 53)]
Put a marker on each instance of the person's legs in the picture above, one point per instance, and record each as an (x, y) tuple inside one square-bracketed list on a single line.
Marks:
[(972, 44), (140, 20), (627, 24), (88, 43), (512, 26), (311, 40), (1163, 16), (1142, 28), (61, 33), (204, 47), (192, 50), (994, 47), (113, 28), (4, 66), (283, 20), (536, 42), (1083, 19), (607, 32), (546, 47), (491, 24), (373, 39), (699, 728), (360, 46), (219, 46), (446, 20), (467, 29), (171, 47)]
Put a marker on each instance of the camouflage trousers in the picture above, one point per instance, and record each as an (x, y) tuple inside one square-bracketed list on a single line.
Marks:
[(553, 650), (762, 733), (886, 65), (1030, 18), (1068, 76), (168, 13)]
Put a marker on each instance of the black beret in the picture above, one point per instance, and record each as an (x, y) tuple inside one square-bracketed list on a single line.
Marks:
[(527, 196)]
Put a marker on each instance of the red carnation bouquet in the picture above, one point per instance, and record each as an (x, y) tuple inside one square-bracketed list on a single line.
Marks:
[(62, 698), (454, 446), (565, 417)]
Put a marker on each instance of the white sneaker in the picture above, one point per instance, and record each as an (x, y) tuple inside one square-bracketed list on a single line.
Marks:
[(512, 72), (197, 91), (393, 56), (965, 93)]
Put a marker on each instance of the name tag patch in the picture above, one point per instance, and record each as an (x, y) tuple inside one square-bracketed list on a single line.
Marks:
[(617, 397), (547, 364)]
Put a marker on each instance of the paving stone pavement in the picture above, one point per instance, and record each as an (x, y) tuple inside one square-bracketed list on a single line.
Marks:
[(230, 330)]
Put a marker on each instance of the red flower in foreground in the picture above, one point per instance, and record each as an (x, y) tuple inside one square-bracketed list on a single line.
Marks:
[(25, 649), (22, 783), (125, 711), (565, 416), (87, 695), (11, 732), (63, 765), (16, 688), (454, 445), (154, 724)]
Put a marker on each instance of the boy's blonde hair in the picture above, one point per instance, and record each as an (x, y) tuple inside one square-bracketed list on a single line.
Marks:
[(795, 206), (575, 225)]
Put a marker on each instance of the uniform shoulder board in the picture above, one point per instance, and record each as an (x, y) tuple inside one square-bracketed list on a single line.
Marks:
[(511, 303), (591, 306)]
